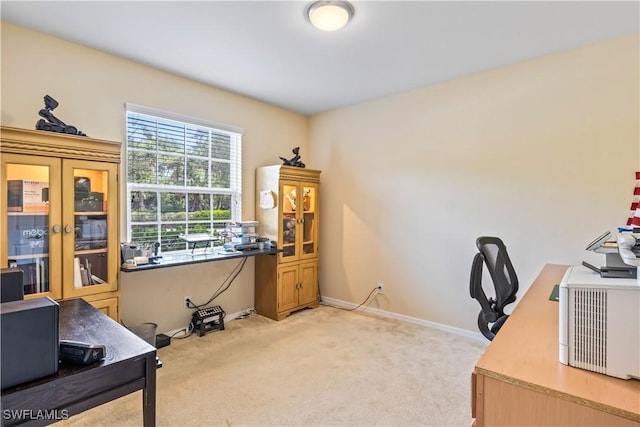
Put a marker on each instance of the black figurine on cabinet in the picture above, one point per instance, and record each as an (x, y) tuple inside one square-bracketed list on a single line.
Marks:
[(295, 160), (51, 123)]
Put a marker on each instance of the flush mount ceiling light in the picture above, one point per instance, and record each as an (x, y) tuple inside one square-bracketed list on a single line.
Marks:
[(329, 15)]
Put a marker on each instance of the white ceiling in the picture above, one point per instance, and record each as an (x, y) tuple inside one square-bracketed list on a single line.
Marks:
[(268, 51)]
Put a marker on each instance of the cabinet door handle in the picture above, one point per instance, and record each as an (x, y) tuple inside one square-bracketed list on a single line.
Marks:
[(56, 228), (68, 228)]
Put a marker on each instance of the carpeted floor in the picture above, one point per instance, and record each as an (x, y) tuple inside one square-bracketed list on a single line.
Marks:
[(321, 367)]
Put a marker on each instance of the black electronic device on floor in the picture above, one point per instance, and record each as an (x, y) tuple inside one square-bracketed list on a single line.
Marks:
[(162, 340), (207, 319)]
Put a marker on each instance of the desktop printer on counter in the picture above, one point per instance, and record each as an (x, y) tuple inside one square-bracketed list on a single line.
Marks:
[(600, 317)]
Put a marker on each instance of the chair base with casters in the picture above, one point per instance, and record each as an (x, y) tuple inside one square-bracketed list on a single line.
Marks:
[(490, 332)]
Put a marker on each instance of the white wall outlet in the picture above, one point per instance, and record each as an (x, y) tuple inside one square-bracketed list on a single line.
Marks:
[(186, 302), (380, 288)]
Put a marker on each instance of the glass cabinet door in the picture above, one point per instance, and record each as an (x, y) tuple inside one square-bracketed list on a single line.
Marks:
[(32, 223), (299, 220), (90, 230), (309, 220), (289, 220)]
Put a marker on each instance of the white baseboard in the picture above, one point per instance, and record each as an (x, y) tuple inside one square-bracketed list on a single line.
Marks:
[(388, 314), (382, 313)]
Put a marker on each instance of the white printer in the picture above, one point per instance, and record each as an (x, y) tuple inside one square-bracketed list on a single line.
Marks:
[(600, 317)]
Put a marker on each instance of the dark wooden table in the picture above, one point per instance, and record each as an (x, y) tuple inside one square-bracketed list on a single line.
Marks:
[(130, 365)]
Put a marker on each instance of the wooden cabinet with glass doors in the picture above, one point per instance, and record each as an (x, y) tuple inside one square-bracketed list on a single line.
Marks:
[(287, 211), (59, 221)]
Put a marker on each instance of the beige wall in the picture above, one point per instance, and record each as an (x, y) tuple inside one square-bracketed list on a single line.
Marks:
[(92, 88), (541, 153)]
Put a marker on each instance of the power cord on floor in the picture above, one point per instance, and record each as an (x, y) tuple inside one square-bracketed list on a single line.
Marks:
[(246, 313), (226, 284), (185, 331), (375, 291), (222, 288)]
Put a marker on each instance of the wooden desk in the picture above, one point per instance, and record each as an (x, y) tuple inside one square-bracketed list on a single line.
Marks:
[(519, 380), (130, 365)]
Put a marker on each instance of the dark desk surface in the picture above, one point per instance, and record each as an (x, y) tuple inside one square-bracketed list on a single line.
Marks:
[(80, 321), (188, 258), (129, 365)]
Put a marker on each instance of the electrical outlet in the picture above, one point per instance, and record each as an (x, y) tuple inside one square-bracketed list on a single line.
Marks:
[(380, 288), (186, 302)]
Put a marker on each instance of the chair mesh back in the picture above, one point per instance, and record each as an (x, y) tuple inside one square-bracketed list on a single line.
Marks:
[(501, 270)]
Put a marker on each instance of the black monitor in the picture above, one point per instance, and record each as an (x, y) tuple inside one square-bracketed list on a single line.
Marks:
[(11, 285)]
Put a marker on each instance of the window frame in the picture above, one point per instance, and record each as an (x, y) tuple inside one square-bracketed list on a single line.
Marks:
[(234, 191)]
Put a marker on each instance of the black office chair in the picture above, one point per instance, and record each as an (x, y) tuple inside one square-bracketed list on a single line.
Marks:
[(493, 253)]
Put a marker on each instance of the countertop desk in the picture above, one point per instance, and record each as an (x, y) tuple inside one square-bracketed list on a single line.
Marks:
[(184, 259), (519, 381), (130, 365)]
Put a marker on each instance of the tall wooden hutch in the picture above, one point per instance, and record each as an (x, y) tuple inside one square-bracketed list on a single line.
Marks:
[(287, 209), (59, 215)]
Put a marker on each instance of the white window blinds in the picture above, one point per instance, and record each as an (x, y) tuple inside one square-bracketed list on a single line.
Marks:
[(183, 177)]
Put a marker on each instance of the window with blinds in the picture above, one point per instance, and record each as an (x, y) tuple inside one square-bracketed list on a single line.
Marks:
[(183, 177)]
